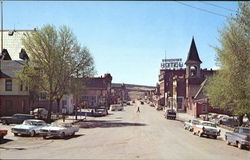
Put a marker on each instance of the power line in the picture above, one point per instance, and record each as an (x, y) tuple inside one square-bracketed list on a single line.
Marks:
[(205, 10), (211, 4)]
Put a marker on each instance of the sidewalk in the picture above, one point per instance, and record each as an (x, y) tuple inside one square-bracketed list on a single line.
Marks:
[(185, 117), (71, 119)]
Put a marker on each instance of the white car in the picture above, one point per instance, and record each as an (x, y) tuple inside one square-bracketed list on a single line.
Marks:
[(39, 112), (28, 127), (190, 124), (59, 130), (206, 128), (116, 107)]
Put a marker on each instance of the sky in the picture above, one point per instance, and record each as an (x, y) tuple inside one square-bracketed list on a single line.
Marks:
[(130, 39)]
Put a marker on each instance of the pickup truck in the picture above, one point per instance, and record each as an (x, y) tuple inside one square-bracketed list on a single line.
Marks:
[(3, 133), (239, 137)]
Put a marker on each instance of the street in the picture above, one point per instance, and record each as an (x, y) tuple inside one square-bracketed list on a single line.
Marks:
[(124, 135)]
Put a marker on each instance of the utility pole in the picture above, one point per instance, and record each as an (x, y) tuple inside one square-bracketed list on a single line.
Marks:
[(1, 32)]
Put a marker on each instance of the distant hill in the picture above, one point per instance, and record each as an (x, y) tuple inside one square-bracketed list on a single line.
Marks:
[(135, 87)]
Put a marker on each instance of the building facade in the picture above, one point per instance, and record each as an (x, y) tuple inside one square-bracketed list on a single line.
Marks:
[(14, 96), (183, 89), (97, 92)]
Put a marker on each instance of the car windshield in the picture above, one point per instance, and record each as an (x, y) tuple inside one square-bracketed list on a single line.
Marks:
[(60, 124), (195, 122), (208, 124), (246, 130), (35, 123)]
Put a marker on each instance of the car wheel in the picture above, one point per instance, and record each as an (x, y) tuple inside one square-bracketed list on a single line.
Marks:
[(194, 133), (73, 134), (32, 133), (62, 135), (240, 146), (215, 137), (44, 137), (5, 122), (15, 134), (199, 134), (227, 141)]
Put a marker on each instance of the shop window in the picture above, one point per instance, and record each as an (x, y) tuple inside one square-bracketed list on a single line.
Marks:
[(8, 85)]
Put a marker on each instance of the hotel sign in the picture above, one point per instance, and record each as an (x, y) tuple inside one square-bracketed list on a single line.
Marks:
[(171, 63)]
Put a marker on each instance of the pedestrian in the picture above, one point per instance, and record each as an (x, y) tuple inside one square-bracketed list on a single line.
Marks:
[(63, 116), (138, 109)]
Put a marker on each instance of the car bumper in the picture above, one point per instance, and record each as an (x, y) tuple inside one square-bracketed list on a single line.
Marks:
[(49, 134), (245, 143), (209, 133), (20, 132)]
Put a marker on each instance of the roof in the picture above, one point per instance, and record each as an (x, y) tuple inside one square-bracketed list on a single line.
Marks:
[(193, 55), (10, 68), (96, 83), (199, 93)]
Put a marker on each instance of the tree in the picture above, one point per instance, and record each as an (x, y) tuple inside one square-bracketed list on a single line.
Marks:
[(56, 57), (229, 88)]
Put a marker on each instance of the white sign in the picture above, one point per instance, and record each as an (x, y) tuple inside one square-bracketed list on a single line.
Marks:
[(172, 63)]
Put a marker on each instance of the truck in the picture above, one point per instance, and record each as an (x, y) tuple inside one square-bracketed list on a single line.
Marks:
[(240, 137)]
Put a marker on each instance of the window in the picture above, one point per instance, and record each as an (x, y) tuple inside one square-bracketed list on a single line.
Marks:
[(204, 108), (8, 85), (42, 96), (180, 99)]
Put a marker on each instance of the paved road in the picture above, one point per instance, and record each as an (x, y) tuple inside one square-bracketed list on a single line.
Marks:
[(125, 135)]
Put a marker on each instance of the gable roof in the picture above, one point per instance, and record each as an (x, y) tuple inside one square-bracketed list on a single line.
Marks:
[(199, 94), (10, 68), (193, 55)]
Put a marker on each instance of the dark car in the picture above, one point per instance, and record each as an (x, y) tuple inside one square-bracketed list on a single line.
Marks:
[(16, 118), (170, 114), (239, 137), (229, 121)]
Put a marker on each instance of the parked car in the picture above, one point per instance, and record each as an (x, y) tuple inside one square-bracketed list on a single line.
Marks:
[(170, 114), (39, 112), (3, 133), (189, 125), (28, 127), (239, 137), (206, 128), (229, 121), (99, 112), (60, 130), (116, 107), (16, 118)]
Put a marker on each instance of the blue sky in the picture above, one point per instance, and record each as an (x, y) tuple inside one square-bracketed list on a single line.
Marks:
[(129, 39)]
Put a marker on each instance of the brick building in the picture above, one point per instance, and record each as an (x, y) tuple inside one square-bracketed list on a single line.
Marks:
[(97, 92), (183, 89)]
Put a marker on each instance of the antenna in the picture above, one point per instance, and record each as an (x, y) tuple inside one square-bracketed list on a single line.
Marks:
[(165, 54)]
